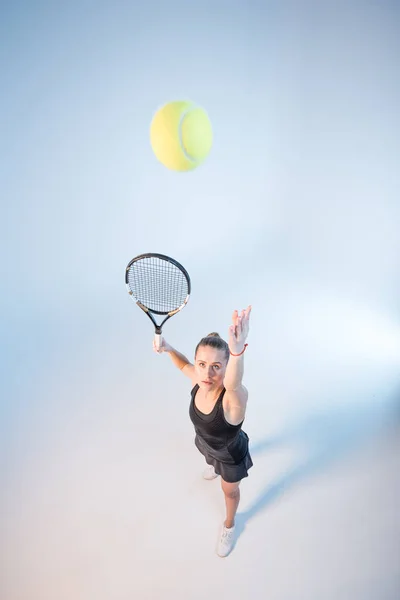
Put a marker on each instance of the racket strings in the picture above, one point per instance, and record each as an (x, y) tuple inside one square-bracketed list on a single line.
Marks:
[(158, 284)]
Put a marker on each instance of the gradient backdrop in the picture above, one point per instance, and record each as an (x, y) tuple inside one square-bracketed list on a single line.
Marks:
[(296, 211)]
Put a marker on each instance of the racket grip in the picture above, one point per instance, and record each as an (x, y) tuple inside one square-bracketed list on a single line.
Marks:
[(157, 341)]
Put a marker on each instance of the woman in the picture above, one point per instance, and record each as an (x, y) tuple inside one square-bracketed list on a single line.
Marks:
[(217, 410)]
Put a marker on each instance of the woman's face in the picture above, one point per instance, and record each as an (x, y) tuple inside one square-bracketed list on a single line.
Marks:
[(210, 367)]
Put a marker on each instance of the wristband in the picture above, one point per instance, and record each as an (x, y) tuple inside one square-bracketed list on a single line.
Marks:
[(240, 353)]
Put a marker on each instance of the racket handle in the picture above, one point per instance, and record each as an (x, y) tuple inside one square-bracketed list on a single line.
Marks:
[(157, 341)]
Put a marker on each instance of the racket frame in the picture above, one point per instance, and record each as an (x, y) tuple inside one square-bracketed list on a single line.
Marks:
[(145, 309)]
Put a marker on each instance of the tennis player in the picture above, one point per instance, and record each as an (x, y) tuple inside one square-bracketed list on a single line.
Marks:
[(217, 410)]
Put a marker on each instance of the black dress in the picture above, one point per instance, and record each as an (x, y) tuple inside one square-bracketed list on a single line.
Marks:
[(223, 445)]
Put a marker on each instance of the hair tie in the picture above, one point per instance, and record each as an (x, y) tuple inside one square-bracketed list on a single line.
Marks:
[(240, 353)]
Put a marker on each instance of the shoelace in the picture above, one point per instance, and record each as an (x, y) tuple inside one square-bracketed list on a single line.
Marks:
[(227, 534)]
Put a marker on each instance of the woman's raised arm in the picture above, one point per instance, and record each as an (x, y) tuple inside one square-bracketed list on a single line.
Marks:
[(238, 333)]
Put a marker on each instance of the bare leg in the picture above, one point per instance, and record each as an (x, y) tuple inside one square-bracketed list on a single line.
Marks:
[(232, 499)]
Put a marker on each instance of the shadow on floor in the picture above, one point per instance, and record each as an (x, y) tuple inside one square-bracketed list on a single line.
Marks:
[(323, 440)]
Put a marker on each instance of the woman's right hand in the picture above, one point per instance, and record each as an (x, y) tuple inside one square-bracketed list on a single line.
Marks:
[(164, 346)]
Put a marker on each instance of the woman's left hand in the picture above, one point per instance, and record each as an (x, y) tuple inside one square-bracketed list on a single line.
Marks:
[(239, 330)]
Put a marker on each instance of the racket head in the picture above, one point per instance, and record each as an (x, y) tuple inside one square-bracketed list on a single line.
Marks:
[(158, 283)]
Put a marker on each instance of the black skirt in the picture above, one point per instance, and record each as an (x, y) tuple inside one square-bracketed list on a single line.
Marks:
[(231, 462)]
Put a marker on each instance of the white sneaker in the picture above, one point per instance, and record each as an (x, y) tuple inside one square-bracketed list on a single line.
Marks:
[(209, 472), (226, 540)]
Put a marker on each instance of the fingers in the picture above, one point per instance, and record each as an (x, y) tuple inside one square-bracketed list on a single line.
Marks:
[(240, 323), (246, 313), (160, 349), (238, 318)]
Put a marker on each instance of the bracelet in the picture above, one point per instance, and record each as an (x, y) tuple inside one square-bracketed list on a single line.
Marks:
[(240, 353)]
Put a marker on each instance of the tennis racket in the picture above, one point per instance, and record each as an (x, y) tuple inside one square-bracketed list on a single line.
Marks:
[(159, 285)]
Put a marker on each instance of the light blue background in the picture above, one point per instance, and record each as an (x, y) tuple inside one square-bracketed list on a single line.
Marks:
[(296, 211)]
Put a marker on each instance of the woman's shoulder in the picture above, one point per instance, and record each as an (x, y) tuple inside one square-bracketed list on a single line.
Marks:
[(195, 387), (235, 402)]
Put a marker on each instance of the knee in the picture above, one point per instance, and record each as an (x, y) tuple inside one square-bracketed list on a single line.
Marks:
[(232, 494)]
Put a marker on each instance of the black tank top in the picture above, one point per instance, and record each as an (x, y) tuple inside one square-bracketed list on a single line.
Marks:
[(213, 428)]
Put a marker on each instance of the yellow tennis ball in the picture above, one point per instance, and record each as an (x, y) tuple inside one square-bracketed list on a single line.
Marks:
[(181, 135)]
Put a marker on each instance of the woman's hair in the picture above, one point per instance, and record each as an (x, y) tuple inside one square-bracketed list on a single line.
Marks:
[(215, 341)]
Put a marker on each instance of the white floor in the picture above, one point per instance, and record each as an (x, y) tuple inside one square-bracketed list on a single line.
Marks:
[(111, 506)]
